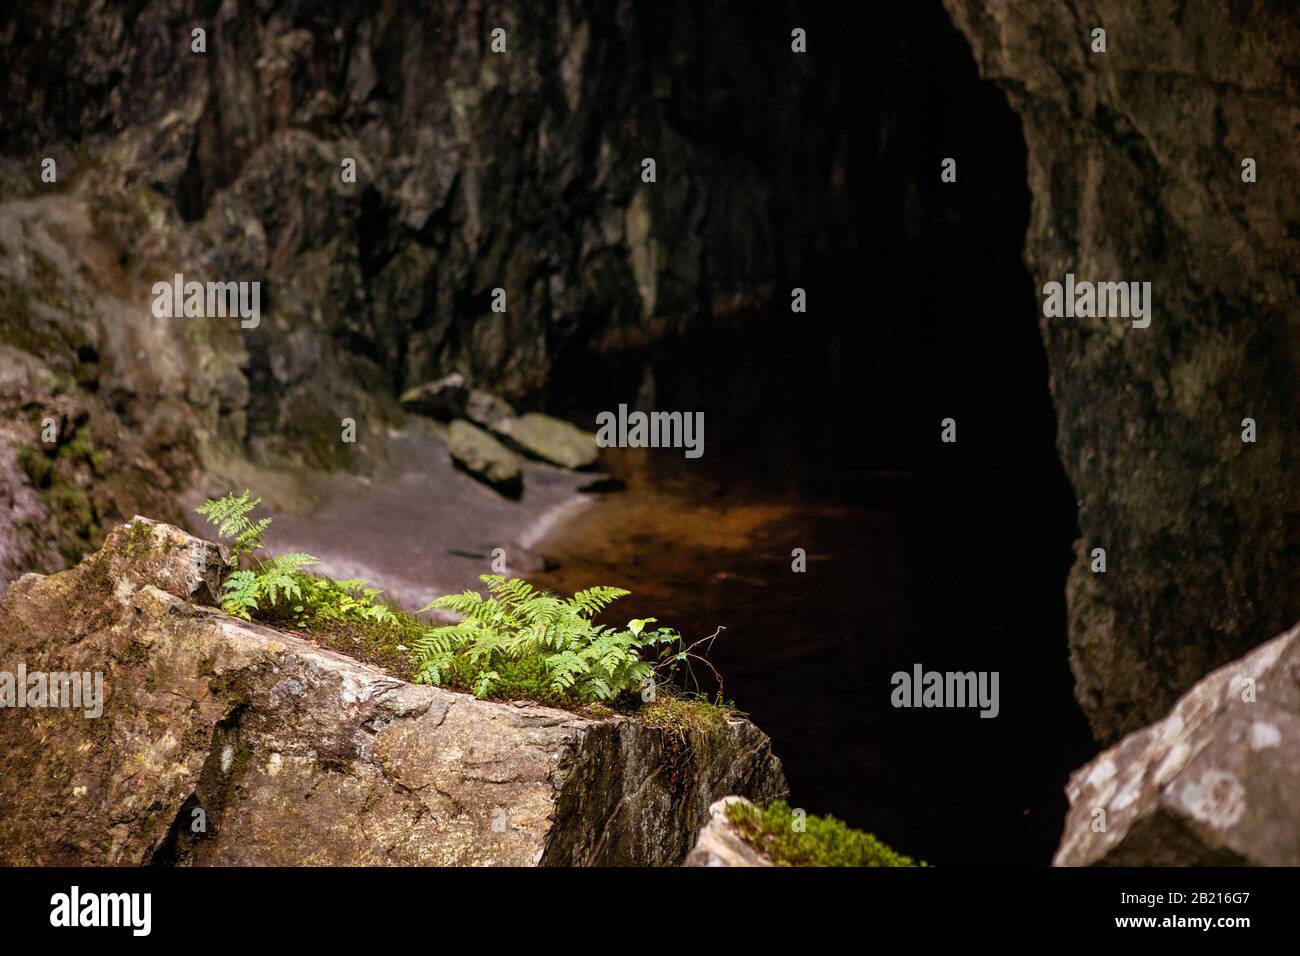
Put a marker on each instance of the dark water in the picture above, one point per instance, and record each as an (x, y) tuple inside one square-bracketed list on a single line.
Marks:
[(809, 655), (823, 433)]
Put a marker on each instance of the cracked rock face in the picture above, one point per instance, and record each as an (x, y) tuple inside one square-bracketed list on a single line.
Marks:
[(1216, 782), (224, 742), (1135, 168), (475, 170)]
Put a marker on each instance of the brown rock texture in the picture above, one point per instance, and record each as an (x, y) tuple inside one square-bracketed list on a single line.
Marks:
[(297, 755), (1216, 782), (1135, 167)]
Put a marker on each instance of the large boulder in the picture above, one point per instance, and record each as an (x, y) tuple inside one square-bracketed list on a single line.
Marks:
[(484, 408), (225, 742), (1135, 165), (1216, 782)]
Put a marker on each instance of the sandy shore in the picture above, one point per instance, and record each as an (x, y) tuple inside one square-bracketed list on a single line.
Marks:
[(426, 528)]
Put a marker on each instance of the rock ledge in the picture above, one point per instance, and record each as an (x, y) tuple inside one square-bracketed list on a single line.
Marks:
[(229, 743)]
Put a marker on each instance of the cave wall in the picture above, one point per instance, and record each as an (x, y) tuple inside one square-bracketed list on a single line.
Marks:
[(1135, 171), (475, 170)]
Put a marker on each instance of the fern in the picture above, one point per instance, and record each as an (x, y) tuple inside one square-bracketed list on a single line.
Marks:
[(516, 623), (229, 515), (594, 600), (239, 595), (278, 588)]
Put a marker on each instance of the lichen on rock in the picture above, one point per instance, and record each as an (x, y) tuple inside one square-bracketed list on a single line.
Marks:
[(1216, 782)]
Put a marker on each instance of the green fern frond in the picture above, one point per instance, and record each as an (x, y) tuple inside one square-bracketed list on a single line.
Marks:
[(513, 593), (515, 623), (292, 562), (239, 594), (468, 602), (592, 601), (229, 515)]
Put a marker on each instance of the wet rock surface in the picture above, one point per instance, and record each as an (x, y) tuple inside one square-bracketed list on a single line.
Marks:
[(1135, 167), (425, 527), (297, 755), (1216, 782), (449, 398)]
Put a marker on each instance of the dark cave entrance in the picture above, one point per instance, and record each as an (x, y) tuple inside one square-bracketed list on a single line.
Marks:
[(953, 556)]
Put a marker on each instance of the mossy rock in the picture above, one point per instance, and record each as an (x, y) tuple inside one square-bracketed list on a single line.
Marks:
[(789, 837), (550, 440), (484, 457)]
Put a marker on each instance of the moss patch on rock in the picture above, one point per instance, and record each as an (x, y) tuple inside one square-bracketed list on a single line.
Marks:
[(54, 476), (821, 841), (380, 643), (683, 713)]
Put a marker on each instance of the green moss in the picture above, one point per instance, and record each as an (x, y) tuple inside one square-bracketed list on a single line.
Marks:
[(37, 466), (138, 538), (80, 450), (820, 841), (319, 438), (64, 383), (382, 643), (74, 512), (21, 328), (102, 731), (78, 447), (79, 513), (524, 679), (683, 713)]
